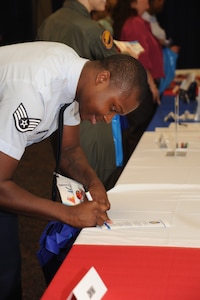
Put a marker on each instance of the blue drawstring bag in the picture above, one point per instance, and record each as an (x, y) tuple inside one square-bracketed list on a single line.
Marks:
[(57, 238), (55, 242)]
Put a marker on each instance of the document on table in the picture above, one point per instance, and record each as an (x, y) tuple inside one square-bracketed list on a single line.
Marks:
[(149, 215), (125, 223)]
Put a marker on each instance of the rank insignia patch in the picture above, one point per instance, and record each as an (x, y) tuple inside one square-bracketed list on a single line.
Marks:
[(22, 122), (107, 39)]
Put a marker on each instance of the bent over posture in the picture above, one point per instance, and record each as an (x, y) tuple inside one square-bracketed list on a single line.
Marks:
[(36, 80)]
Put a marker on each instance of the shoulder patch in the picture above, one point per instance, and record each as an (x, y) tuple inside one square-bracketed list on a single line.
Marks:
[(22, 122), (107, 39)]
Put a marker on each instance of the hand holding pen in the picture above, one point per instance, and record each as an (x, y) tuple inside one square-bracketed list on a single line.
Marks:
[(89, 198)]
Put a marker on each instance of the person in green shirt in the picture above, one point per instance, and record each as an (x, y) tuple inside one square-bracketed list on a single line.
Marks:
[(72, 25)]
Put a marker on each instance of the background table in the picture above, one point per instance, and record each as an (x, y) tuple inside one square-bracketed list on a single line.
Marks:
[(167, 106)]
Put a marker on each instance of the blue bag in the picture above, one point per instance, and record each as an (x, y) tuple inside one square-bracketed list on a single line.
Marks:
[(55, 243), (57, 238), (170, 58), (117, 137)]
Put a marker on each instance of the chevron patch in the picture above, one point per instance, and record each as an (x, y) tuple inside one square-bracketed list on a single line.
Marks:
[(22, 122)]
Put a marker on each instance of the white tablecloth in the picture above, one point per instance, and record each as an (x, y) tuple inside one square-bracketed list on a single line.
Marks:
[(155, 187), (150, 163)]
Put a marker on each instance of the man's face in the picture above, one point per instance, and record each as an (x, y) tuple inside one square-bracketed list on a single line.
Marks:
[(104, 103), (98, 5)]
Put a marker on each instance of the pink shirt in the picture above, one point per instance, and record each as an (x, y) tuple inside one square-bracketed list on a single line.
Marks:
[(137, 29)]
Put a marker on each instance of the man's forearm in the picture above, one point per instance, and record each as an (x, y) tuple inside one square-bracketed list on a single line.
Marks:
[(75, 165)]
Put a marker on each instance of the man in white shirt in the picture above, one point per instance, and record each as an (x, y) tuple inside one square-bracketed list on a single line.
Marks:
[(36, 80)]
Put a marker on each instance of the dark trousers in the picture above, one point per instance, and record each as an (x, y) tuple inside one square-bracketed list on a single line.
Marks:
[(10, 258)]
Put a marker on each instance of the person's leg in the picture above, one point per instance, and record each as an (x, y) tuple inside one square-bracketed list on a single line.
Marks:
[(10, 258)]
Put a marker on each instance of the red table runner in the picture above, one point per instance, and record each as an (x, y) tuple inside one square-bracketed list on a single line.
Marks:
[(140, 273)]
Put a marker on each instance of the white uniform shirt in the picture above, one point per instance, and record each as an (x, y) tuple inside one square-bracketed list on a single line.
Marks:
[(36, 79)]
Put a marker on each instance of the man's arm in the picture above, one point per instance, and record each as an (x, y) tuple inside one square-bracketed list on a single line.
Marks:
[(15, 199), (75, 165)]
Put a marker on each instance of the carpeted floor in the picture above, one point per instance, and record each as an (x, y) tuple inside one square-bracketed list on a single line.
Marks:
[(35, 174)]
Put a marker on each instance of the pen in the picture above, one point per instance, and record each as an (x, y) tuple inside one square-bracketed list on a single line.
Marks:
[(89, 197), (106, 224)]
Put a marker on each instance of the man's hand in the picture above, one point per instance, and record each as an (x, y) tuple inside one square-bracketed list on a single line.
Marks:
[(87, 214)]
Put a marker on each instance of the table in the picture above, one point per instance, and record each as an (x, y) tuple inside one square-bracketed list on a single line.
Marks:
[(132, 272), (146, 262), (154, 165), (167, 106)]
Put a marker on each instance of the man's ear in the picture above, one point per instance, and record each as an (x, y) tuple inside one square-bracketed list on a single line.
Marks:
[(103, 77)]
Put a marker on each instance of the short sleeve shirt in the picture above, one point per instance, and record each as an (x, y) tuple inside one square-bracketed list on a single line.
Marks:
[(36, 80)]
